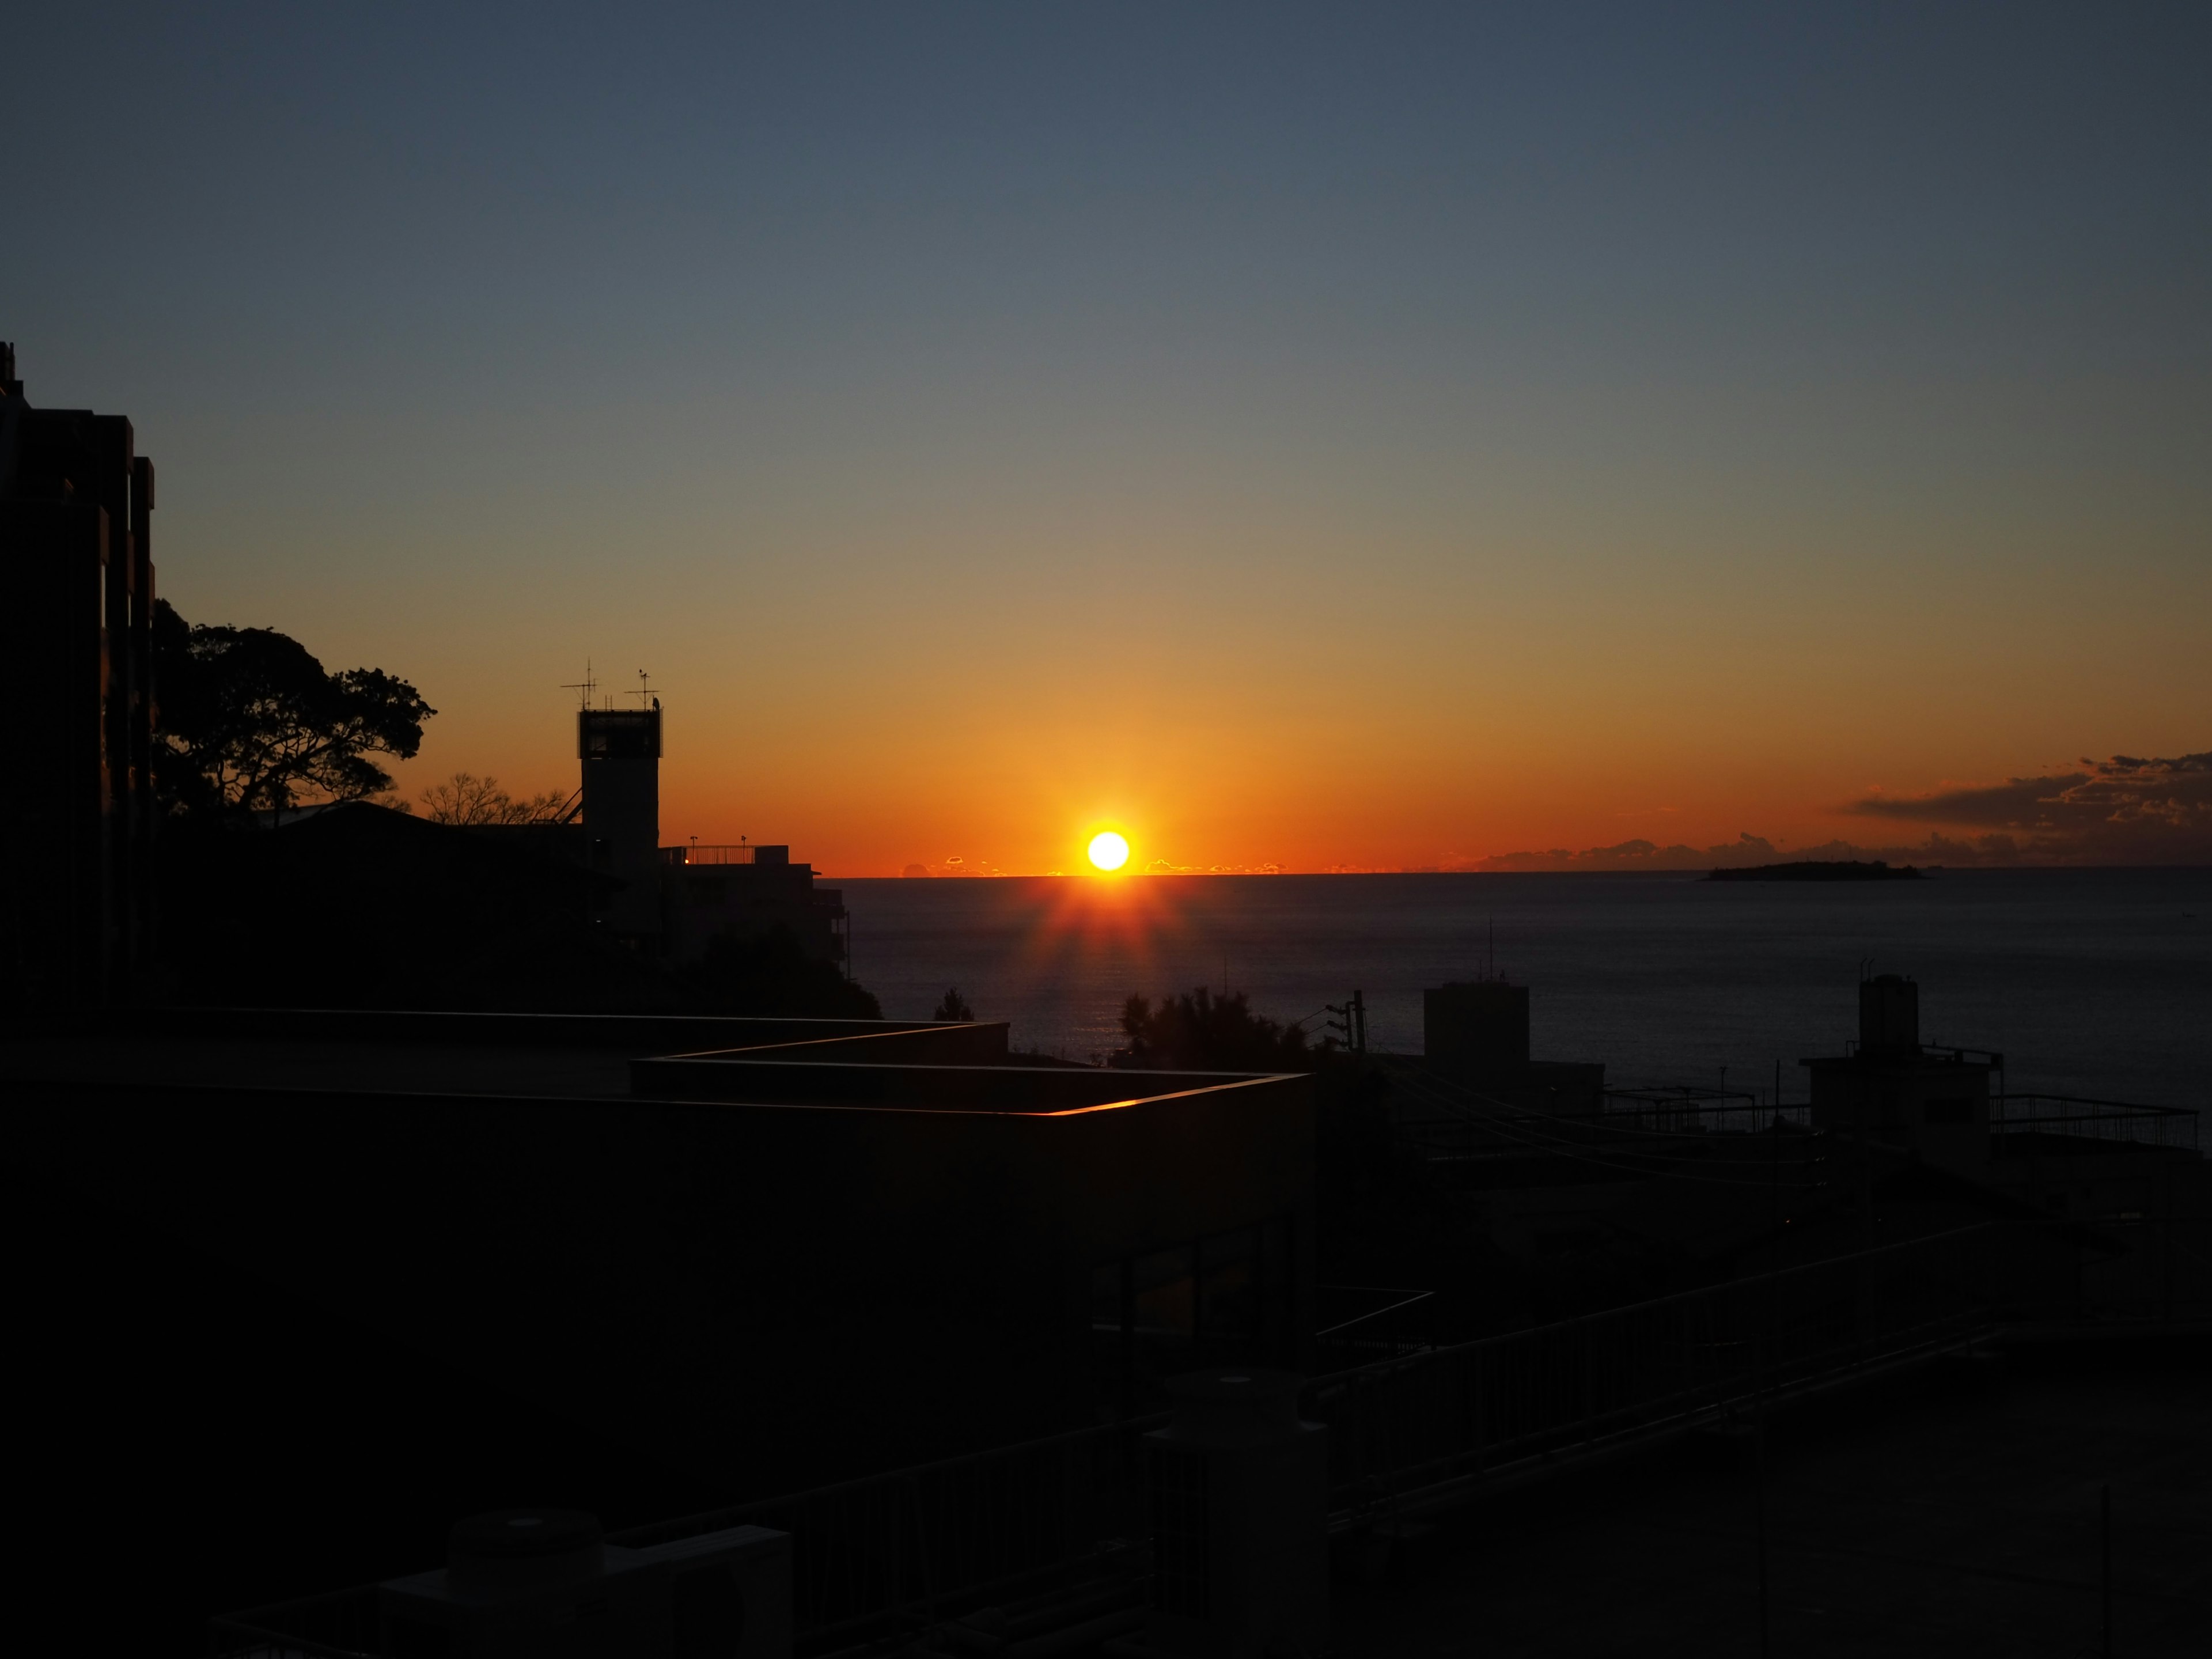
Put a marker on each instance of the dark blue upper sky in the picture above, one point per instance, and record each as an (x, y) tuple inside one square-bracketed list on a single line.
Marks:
[(1546, 314)]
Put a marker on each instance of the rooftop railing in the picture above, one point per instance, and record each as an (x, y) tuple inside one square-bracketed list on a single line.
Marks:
[(1361, 1323), (1671, 1124), (890, 1557), (696, 853), (2095, 1119), (1679, 1108), (1958, 1056)]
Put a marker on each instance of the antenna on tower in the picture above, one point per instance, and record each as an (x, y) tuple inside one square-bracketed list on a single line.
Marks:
[(583, 687), (644, 692)]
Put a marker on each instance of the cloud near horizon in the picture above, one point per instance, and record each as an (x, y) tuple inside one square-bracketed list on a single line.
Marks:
[(2127, 810)]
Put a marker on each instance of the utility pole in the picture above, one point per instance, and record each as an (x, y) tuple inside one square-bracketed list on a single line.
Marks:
[(1774, 1204), (2104, 1519), (1758, 1523), (1351, 1020)]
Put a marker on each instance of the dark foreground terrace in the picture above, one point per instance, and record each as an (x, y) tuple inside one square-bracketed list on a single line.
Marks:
[(1958, 1515)]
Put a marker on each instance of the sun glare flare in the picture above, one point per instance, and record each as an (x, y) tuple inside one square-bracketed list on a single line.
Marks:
[(1109, 851)]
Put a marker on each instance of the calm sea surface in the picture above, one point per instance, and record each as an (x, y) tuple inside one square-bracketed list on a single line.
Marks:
[(2090, 981)]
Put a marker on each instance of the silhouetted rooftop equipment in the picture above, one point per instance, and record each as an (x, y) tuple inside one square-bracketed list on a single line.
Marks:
[(1240, 1517)]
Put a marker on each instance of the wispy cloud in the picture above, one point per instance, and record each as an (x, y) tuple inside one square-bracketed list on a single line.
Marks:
[(2127, 810)]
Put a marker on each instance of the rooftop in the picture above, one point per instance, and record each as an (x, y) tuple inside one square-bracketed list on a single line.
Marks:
[(1960, 1518)]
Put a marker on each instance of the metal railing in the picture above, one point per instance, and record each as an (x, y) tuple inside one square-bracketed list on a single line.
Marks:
[(695, 854), (342, 1625), (1734, 1141), (870, 1556), (1361, 1322), (892, 1556), (906, 1550), (1683, 1109), (1410, 1432), (2097, 1120), (1662, 1108), (1947, 1051), (921, 1544)]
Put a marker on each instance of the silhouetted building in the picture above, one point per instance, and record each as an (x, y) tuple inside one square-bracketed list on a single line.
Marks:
[(1477, 1030), (743, 892), (1475, 1036), (620, 750), (77, 815), (1933, 1102), (677, 901), (758, 1251)]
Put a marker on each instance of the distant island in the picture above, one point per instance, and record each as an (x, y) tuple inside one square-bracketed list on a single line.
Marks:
[(1817, 870)]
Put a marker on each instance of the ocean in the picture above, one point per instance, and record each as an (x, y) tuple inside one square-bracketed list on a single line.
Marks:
[(2095, 982)]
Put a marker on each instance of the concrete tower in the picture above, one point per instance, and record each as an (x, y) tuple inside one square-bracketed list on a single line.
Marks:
[(619, 749)]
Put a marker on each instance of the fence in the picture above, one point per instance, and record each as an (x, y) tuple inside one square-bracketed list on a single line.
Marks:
[(1458, 1119), (914, 1546), (896, 1555), (870, 1556), (1360, 1323), (696, 854), (2097, 1120), (902, 1552), (1693, 1111), (1412, 1433)]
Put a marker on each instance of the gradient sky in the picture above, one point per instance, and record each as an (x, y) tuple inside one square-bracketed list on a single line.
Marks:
[(1365, 435)]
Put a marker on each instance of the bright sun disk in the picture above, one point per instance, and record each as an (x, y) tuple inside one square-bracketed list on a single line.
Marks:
[(1109, 851)]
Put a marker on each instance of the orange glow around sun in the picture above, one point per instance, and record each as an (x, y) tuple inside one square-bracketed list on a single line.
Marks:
[(1109, 852)]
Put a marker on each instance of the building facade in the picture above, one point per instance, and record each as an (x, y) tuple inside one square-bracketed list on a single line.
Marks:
[(77, 812)]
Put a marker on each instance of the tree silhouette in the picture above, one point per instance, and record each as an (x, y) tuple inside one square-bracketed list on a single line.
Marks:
[(954, 1008), (1204, 1032), (247, 721), (465, 799)]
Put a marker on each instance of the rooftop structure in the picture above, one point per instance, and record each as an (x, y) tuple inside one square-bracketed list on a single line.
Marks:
[(776, 1252), (619, 751), (765, 1249), (1889, 1087), (743, 892), (1668, 1438), (677, 901), (1475, 1038)]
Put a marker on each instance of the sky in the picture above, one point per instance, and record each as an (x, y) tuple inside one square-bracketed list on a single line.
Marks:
[(1363, 437)]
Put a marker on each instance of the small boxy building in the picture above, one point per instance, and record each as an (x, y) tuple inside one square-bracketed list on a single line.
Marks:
[(745, 892), (764, 1252), (1475, 1038), (1891, 1090)]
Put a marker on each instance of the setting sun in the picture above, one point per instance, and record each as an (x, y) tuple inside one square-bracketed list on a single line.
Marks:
[(1109, 851)]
